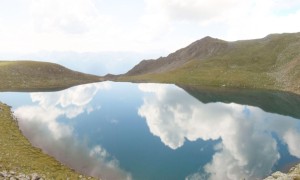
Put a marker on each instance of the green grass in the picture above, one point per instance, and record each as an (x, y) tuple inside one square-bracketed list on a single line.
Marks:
[(269, 63), (209, 75), (36, 76), (17, 154)]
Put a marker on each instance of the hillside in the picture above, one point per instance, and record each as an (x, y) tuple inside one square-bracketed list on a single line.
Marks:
[(278, 102), (39, 76), (272, 62), (20, 160)]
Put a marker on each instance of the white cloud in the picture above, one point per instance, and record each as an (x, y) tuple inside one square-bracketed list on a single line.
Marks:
[(236, 19), (262, 18), (69, 17), (292, 139), (160, 25), (247, 148), (32, 114), (40, 124), (70, 102), (78, 96), (194, 10)]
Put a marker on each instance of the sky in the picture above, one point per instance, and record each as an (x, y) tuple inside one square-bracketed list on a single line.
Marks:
[(248, 146), (137, 26)]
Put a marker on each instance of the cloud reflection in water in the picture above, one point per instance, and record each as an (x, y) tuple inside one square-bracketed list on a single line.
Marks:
[(40, 125), (247, 148)]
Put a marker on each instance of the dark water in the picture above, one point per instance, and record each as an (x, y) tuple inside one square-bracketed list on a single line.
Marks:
[(156, 131)]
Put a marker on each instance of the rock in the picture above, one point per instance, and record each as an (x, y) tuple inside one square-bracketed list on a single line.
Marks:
[(293, 174), (20, 176), (4, 174), (23, 177), (280, 175), (35, 176)]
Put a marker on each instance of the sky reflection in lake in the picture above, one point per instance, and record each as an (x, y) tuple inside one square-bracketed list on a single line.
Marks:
[(247, 148), (155, 131), (41, 124)]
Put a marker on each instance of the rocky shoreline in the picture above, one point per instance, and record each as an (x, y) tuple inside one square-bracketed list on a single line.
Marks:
[(293, 174), (11, 175)]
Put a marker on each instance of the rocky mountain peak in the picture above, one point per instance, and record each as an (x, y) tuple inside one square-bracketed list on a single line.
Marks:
[(200, 49)]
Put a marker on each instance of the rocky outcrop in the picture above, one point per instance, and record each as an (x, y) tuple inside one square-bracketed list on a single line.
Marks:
[(293, 174), (12, 175)]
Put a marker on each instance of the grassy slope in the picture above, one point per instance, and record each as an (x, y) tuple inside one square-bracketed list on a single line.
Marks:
[(17, 154), (32, 75), (269, 63)]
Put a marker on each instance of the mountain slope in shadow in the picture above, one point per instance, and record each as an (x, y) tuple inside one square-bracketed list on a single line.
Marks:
[(283, 103)]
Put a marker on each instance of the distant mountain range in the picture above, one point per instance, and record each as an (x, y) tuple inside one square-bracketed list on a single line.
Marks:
[(272, 62)]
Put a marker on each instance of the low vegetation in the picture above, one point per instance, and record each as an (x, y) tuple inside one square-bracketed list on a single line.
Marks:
[(272, 62), (39, 76), (19, 159)]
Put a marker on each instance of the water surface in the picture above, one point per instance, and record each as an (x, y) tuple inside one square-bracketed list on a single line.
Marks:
[(159, 131)]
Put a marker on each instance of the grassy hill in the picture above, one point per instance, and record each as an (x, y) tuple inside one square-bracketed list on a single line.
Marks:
[(272, 62), (32, 75)]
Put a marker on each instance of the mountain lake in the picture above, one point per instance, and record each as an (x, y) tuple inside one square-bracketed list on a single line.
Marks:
[(162, 131)]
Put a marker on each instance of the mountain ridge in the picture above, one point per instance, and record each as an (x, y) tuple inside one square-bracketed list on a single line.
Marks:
[(202, 48), (272, 62)]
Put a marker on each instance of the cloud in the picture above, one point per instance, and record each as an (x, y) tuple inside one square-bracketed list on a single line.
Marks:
[(74, 17), (78, 96), (30, 114), (261, 18), (234, 19), (292, 139), (59, 26), (247, 148), (194, 10), (157, 26), (40, 124)]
